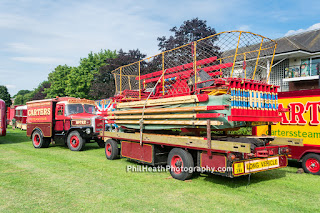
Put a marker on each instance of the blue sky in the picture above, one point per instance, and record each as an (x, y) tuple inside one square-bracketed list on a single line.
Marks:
[(37, 36)]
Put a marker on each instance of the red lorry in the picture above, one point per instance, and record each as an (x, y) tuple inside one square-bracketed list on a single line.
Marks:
[(63, 119), (301, 121), (3, 122)]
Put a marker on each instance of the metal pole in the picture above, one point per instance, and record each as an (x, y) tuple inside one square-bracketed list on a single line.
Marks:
[(235, 55), (255, 68), (139, 83)]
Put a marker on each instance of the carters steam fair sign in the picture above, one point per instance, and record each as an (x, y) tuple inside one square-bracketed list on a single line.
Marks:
[(39, 112), (302, 120)]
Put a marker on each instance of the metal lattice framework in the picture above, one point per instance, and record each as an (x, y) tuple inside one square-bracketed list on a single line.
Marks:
[(183, 70)]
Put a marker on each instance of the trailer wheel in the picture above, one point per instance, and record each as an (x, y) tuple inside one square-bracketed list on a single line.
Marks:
[(75, 141), (101, 143), (181, 164), (39, 141), (111, 149), (311, 164)]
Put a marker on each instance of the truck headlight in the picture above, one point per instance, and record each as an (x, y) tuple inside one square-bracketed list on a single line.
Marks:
[(88, 131)]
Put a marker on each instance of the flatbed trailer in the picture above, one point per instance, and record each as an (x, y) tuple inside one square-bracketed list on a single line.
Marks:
[(218, 83), (221, 155)]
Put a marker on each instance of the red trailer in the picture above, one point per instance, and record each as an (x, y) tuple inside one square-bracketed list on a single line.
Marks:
[(301, 121), (10, 114), (21, 117), (3, 120)]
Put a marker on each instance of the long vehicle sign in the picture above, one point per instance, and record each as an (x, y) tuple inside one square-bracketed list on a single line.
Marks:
[(255, 165)]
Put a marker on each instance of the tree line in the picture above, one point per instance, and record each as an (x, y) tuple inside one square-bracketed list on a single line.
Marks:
[(92, 79)]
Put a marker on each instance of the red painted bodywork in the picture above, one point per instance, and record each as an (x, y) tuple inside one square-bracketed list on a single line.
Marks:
[(10, 113), (136, 151), (44, 115), (297, 152), (3, 120), (213, 161), (20, 115)]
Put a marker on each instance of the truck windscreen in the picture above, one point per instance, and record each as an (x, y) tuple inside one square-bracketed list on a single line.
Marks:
[(89, 109), (74, 109), (79, 108)]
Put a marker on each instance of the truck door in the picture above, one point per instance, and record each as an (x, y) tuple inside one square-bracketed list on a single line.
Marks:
[(62, 122)]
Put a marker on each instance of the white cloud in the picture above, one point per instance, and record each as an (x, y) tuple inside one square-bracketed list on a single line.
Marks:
[(40, 60), (313, 27), (244, 28), (20, 47), (10, 86)]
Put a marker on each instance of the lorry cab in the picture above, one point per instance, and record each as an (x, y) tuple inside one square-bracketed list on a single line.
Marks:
[(79, 113), (69, 120)]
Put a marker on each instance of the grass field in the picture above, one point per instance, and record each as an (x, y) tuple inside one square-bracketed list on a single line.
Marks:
[(59, 180)]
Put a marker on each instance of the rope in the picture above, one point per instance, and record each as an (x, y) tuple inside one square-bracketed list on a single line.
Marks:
[(144, 106)]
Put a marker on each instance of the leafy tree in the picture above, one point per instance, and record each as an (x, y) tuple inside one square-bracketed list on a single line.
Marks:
[(22, 92), (19, 100), (36, 94), (40, 92), (23, 99), (103, 84), (80, 78), (4, 95), (59, 81), (189, 31)]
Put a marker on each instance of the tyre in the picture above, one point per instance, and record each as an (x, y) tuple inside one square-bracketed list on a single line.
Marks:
[(181, 164), (75, 141), (100, 143), (311, 164), (39, 141), (111, 149)]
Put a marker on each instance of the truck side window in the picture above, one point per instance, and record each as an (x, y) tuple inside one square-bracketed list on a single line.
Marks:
[(60, 110)]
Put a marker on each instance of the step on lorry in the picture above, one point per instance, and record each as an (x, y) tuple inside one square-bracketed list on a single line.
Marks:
[(68, 120)]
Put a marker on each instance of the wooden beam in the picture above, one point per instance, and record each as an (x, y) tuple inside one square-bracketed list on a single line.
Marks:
[(164, 101), (170, 122), (184, 141), (166, 116), (169, 110)]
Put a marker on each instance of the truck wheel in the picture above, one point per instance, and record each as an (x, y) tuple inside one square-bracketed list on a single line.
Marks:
[(181, 164), (311, 164), (75, 141), (39, 141), (101, 143), (111, 149)]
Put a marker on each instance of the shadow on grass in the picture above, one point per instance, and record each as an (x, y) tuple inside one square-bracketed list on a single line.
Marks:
[(14, 136), (294, 163), (244, 180), (88, 146), (236, 182)]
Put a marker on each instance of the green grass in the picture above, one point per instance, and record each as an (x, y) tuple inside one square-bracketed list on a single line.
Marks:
[(58, 180)]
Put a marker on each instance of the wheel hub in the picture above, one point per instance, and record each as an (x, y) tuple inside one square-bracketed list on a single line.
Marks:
[(74, 141), (313, 165), (178, 163), (108, 149)]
